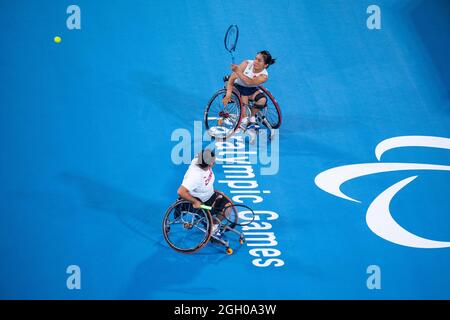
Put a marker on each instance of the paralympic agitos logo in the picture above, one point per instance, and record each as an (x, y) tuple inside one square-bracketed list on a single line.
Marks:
[(378, 217)]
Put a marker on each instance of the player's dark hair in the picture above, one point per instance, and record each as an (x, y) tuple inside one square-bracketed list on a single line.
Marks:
[(267, 57), (205, 158)]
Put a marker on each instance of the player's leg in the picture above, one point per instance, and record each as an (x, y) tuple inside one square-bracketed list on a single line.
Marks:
[(260, 103), (216, 221)]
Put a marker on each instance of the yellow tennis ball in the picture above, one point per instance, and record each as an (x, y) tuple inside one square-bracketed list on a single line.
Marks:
[(57, 39)]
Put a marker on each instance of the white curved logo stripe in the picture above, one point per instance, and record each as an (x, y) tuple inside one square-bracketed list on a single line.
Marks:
[(378, 217), (411, 141), (381, 222), (331, 180)]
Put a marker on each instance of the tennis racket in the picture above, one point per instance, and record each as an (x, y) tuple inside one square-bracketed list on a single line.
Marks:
[(231, 39)]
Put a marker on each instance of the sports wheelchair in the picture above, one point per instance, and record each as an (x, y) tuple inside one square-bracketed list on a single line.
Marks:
[(187, 229), (221, 121)]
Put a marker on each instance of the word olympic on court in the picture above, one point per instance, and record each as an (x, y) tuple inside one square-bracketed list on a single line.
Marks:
[(239, 160), (236, 162)]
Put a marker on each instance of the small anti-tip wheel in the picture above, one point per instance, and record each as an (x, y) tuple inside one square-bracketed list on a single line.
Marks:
[(241, 241), (229, 251)]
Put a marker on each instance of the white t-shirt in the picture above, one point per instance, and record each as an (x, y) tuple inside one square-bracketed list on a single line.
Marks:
[(249, 73), (199, 182)]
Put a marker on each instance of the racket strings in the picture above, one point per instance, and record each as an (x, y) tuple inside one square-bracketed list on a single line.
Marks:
[(231, 38)]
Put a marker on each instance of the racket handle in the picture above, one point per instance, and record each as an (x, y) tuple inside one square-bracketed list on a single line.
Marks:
[(204, 206)]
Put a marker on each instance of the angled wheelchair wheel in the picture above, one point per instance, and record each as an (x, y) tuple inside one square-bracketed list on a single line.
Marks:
[(222, 121), (272, 113), (185, 228)]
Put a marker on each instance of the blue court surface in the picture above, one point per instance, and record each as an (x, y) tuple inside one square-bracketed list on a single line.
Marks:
[(351, 196)]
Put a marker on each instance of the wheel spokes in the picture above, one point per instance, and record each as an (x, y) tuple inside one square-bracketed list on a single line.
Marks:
[(222, 120), (186, 228)]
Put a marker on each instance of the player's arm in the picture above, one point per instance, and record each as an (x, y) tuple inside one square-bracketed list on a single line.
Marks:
[(256, 81), (231, 81), (234, 76), (230, 84), (183, 192), (239, 71)]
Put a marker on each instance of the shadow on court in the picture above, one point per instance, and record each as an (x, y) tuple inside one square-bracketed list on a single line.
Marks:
[(165, 271), (431, 20), (138, 214)]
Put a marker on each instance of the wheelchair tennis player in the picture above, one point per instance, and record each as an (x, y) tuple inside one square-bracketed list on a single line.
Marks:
[(246, 77), (198, 186)]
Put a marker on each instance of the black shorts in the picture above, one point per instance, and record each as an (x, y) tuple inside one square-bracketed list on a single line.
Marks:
[(246, 91), (218, 206)]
